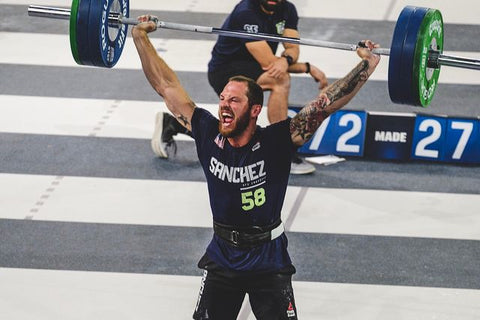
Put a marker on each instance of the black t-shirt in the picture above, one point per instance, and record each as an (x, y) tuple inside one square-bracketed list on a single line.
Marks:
[(248, 16), (247, 187)]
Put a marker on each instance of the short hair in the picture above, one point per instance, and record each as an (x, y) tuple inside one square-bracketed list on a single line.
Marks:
[(254, 92)]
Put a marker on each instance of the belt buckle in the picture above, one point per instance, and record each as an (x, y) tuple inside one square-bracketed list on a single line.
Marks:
[(235, 235)]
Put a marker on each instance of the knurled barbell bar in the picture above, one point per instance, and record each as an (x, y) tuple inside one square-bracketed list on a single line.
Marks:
[(98, 31)]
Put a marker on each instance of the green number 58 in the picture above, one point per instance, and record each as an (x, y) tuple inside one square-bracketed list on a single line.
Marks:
[(251, 199)]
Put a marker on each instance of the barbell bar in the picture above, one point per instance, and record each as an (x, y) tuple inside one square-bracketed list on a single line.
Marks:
[(116, 18), (98, 31)]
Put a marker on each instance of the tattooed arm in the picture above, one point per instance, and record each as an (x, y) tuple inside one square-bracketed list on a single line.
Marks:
[(334, 97), (161, 77)]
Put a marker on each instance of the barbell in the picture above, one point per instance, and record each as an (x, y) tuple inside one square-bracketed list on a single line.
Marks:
[(98, 30)]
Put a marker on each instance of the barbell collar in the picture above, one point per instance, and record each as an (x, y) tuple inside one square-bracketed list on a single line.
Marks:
[(432, 61)]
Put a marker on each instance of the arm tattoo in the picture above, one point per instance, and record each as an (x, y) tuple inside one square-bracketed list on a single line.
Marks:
[(346, 85), (182, 119), (307, 121)]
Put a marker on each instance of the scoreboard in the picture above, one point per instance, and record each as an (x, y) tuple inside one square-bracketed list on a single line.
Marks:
[(396, 136)]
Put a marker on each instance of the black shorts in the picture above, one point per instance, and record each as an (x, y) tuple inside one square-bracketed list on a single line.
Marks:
[(222, 293), (219, 78)]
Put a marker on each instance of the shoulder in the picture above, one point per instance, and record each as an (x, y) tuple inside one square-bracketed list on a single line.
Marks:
[(278, 131), (290, 9), (249, 5), (246, 9), (290, 5), (278, 139), (281, 125), (201, 115), (203, 123), (246, 6)]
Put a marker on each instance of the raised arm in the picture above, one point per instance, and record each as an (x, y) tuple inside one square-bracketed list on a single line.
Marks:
[(333, 97), (161, 77)]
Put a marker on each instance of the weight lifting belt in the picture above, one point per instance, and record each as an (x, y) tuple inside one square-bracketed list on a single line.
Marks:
[(248, 237)]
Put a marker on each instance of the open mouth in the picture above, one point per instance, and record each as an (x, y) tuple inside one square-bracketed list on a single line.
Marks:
[(226, 117)]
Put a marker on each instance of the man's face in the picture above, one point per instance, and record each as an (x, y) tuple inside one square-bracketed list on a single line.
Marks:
[(271, 5), (233, 109)]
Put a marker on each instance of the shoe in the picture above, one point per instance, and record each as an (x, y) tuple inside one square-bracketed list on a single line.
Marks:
[(299, 166), (162, 142)]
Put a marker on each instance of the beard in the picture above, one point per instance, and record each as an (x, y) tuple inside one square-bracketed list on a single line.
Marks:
[(240, 125)]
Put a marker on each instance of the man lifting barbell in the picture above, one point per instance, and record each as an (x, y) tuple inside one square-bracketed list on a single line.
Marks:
[(247, 171)]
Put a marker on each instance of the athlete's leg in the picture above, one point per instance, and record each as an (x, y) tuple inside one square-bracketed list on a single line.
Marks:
[(219, 298), (271, 297)]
